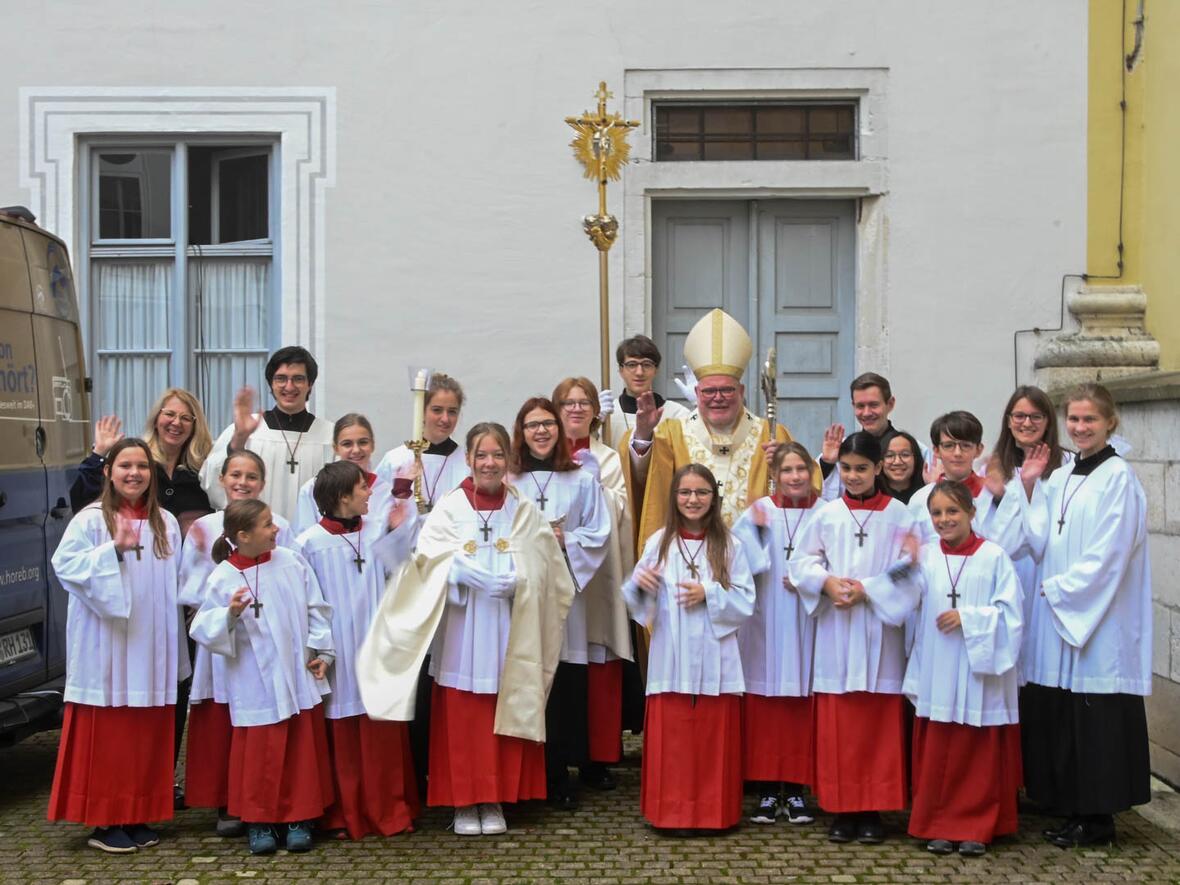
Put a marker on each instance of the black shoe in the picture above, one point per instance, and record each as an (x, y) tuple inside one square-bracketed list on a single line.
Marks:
[(564, 797), (178, 798), (1051, 833), (972, 849), (843, 828), (869, 829), (597, 776), (1086, 832), (940, 846)]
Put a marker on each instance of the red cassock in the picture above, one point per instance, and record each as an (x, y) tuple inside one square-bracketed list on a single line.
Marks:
[(860, 752), (281, 773), (469, 763), (114, 765), (965, 781), (206, 758), (692, 761), (604, 689), (373, 772), (777, 733)]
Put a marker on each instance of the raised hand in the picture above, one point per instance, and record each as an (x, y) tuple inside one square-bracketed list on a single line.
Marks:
[(125, 537), (108, 430), (648, 579), (647, 416), (196, 535), (910, 545), (245, 421), (1036, 461), (606, 403), (833, 436), (240, 600), (931, 472), (398, 511), (993, 478)]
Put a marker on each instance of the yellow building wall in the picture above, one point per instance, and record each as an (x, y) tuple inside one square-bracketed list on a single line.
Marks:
[(1146, 170)]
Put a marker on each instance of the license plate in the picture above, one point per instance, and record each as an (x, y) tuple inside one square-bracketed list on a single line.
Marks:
[(16, 646)]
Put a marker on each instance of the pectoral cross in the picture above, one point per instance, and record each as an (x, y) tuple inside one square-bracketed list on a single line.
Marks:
[(292, 463), (486, 531), (541, 502), (953, 596), (257, 606), (723, 450), (860, 536), (694, 571), (1060, 524), (138, 548), (789, 549), (359, 561)]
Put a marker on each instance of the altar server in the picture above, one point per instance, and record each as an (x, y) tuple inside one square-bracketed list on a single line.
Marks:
[(489, 589), (1088, 665), (962, 681), (777, 644), (206, 767), (860, 733), (292, 442), (693, 589), (352, 441), (570, 498), (263, 611), (118, 561)]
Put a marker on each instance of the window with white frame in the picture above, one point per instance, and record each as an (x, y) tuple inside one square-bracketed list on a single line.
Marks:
[(178, 268)]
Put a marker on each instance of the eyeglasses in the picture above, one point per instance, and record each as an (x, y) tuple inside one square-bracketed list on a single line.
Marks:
[(635, 365), (575, 405), (1030, 417), (694, 493), (297, 380), (186, 420), (717, 392), (898, 456), (955, 445), (534, 426)]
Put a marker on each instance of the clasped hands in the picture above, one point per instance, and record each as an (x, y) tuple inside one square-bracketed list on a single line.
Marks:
[(844, 592)]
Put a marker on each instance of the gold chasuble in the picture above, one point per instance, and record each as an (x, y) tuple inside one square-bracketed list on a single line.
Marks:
[(403, 628), (738, 462)]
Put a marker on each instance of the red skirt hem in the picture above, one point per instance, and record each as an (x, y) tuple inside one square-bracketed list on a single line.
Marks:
[(604, 689), (114, 765), (469, 762), (860, 752), (777, 737), (373, 773), (206, 757), (965, 781), (281, 773), (692, 761)]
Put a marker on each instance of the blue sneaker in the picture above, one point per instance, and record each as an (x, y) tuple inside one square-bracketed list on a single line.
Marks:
[(142, 835), (262, 839), (299, 836), (113, 840)]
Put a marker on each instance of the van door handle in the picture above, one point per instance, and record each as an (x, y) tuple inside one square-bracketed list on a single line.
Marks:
[(61, 510)]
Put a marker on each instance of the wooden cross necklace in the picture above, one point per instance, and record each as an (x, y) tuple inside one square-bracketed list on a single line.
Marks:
[(291, 462), (431, 489), (486, 528), (358, 560), (1066, 501), (257, 603), (541, 499), (790, 533), (693, 568), (953, 596), (138, 548), (860, 526)]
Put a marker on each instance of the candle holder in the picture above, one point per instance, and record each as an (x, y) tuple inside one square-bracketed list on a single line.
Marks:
[(419, 384)]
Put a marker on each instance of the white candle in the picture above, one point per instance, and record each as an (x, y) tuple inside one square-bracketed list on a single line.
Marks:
[(419, 405)]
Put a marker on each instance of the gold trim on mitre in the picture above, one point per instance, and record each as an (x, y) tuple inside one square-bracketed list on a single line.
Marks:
[(718, 345)]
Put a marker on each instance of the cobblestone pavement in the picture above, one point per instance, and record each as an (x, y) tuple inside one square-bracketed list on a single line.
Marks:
[(605, 842)]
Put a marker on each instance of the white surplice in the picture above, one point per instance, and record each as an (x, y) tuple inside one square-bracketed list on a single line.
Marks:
[(694, 650), (196, 565), (777, 642), (354, 594), (266, 656), (967, 676), (311, 450), (441, 474), (854, 649), (1089, 629), (123, 620), (307, 512), (574, 498)]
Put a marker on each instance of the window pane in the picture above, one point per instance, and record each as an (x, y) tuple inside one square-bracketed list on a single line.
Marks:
[(680, 121), (132, 298), (135, 195), (128, 386), (729, 150), (729, 121), (229, 304), (782, 150), (755, 131), (242, 196), (790, 121)]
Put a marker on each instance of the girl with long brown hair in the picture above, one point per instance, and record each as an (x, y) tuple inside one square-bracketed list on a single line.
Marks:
[(119, 562), (693, 589)]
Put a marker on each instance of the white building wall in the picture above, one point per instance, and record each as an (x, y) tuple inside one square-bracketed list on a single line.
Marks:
[(453, 229)]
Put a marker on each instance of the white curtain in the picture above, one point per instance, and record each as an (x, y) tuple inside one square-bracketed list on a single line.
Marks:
[(132, 299), (229, 306)]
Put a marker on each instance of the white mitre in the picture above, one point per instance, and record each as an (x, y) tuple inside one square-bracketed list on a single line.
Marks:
[(718, 345)]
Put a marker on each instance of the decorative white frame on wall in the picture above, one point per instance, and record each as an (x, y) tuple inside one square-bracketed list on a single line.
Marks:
[(54, 120), (864, 179)]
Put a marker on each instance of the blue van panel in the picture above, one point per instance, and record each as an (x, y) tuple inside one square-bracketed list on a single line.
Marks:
[(23, 567)]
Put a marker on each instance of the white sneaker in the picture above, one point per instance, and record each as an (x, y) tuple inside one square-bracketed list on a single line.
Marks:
[(467, 821), (491, 819)]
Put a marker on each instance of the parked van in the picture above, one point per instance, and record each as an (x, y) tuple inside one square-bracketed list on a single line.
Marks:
[(44, 433)]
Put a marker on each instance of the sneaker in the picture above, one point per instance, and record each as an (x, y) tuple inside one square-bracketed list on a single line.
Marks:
[(972, 849), (767, 811), (262, 839), (142, 835), (796, 812), (113, 840), (467, 821), (299, 836), (229, 827), (491, 819), (940, 846)]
